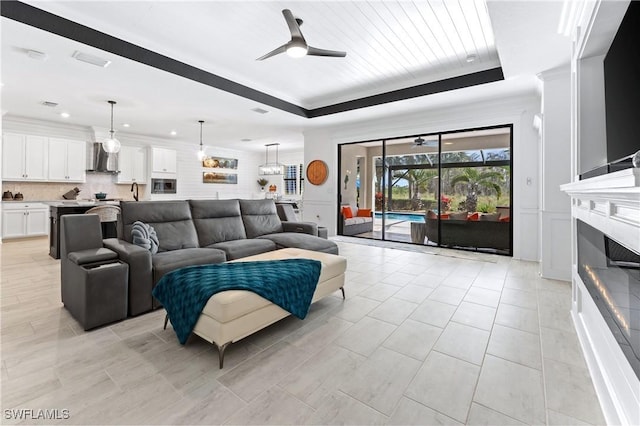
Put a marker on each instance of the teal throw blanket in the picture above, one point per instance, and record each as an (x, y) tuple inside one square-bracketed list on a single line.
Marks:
[(288, 283)]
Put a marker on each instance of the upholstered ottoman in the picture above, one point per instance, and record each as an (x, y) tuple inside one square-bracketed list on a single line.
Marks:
[(231, 315)]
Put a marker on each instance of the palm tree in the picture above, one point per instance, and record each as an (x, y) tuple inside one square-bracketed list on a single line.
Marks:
[(474, 181)]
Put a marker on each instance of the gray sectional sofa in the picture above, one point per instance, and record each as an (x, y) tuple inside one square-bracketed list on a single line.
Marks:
[(197, 232)]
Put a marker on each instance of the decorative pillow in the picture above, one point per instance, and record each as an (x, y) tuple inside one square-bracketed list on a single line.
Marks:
[(364, 213), (474, 217), (490, 217), (444, 216), (458, 215), (431, 214), (144, 235), (505, 219), (346, 212)]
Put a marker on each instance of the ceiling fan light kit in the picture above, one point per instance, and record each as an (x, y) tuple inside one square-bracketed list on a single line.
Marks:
[(111, 145), (297, 47)]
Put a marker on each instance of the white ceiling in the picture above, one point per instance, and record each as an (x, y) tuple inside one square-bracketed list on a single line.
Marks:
[(389, 45)]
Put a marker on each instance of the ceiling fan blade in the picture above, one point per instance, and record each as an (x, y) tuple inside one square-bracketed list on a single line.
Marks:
[(294, 28), (314, 51), (274, 52)]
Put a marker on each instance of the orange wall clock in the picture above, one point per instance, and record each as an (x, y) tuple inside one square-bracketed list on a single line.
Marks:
[(317, 172)]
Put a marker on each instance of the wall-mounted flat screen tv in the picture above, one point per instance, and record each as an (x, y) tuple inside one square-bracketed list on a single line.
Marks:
[(622, 87)]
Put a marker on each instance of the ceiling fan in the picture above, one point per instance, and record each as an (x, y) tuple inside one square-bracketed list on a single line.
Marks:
[(297, 47), (424, 142)]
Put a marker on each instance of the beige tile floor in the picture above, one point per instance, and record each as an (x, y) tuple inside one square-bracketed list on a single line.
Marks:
[(443, 337)]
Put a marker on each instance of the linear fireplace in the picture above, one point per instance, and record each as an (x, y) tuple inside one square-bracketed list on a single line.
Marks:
[(611, 274)]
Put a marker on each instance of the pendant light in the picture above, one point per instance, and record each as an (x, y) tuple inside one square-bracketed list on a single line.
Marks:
[(271, 168), (201, 154), (111, 145)]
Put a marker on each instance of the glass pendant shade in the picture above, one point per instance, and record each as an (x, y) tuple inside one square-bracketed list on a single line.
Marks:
[(111, 145), (274, 168), (201, 153)]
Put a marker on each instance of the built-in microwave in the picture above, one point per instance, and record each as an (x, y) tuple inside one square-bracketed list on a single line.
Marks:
[(163, 186)]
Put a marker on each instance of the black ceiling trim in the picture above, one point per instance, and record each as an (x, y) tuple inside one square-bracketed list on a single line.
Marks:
[(453, 83), (63, 27), (55, 24)]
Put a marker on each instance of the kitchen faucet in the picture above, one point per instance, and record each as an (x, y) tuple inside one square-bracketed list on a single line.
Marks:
[(135, 194)]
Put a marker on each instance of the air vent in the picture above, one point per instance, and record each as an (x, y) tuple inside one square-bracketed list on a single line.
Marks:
[(38, 56), (91, 59), (260, 110), (245, 140), (50, 104)]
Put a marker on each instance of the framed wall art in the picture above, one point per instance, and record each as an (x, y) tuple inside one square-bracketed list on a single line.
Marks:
[(220, 163), (210, 177)]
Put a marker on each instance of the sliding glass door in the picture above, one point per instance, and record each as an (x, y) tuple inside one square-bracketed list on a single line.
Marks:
[(449, 189)]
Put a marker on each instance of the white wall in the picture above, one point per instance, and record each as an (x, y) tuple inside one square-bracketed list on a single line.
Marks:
[(555, 209), (321, 203)]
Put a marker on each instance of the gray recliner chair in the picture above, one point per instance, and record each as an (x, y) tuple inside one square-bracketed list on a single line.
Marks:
[(287, 214), (93, 283)]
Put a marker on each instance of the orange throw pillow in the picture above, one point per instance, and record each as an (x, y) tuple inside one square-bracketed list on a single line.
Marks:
[(505, 219), (364, 213), (474, 217), (444, 216), (347, 213)]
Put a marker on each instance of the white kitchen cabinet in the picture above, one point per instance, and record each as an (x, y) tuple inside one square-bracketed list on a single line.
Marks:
[(67, 160), (164, 160), (132, 162), (24, 157), (24, 220)]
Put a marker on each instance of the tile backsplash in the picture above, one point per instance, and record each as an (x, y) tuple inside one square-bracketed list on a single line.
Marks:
[(50, 191)]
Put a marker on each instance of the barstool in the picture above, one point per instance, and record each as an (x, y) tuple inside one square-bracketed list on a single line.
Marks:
[(108, 215)]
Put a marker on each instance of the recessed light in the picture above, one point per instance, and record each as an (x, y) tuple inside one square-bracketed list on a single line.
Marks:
[(173, 133), (65, 115), (259, 110), (471, 57), (448, 143), (91, 59), (50, 104), (245, 140), (126, 125)]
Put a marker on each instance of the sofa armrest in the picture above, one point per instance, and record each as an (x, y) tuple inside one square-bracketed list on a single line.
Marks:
[(310, 228), (140, 273)]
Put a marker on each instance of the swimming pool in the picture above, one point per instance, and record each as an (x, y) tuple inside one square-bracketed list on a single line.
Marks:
[(411, 217)]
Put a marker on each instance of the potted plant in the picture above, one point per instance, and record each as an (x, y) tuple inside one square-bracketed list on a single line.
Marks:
[(262, 182)]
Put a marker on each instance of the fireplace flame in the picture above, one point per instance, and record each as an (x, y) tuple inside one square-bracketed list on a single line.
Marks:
[(607, 297)]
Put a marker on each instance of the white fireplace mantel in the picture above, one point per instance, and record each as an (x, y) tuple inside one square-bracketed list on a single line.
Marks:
[(609, 203)]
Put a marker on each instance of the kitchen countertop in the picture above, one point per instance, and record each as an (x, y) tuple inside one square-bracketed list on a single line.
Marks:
[(63, 203)]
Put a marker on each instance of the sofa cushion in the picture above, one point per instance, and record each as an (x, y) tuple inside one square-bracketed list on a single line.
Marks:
[(92, 255), (458, 215), (356, 220), (217, 221), (347, 212), (490, 217), (302, 241), (364, 213), (171, 220), (171, 260), (260, 217), (242, 248)]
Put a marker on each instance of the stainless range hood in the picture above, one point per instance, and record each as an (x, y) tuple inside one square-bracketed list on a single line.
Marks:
[(103, 162)]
